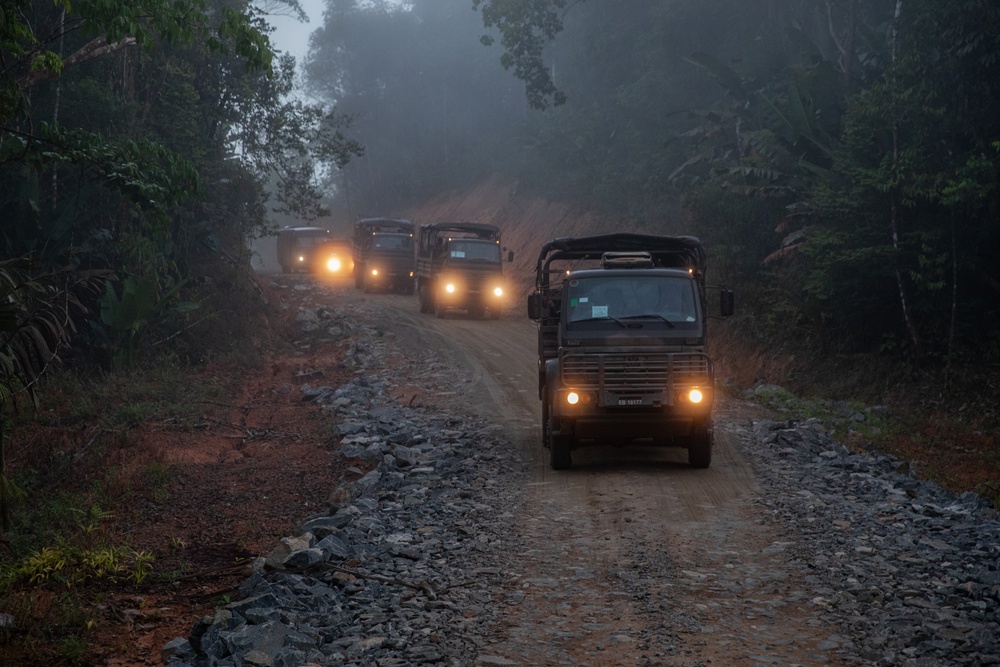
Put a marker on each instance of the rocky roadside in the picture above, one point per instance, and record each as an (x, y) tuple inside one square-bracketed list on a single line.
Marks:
[(410, 565)]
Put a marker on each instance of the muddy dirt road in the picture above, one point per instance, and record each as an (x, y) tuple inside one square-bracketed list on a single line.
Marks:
[(631, 557)]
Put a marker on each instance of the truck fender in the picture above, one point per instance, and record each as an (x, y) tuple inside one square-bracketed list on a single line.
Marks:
[(551, 380)]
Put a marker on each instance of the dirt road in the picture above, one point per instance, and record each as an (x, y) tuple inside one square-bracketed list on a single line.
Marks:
[(631, 557)]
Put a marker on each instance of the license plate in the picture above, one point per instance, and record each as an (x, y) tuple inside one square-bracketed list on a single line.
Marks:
[(629, 401)]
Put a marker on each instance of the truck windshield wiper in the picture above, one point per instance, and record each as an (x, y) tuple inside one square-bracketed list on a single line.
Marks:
[(656, 315), (606, 317)]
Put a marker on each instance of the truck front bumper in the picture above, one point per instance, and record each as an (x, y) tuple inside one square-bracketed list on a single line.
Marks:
[(596, 414)]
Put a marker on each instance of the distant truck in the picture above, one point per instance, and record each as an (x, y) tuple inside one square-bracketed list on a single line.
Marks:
[(622, 329), (460, 266), (312, 250), (383, 254)]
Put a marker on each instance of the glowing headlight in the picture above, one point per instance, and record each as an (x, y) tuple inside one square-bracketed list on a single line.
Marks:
[(449, 288), (497, 291), (333, 264), (572, 398), (695, 396), (302, 258), (374, 272)]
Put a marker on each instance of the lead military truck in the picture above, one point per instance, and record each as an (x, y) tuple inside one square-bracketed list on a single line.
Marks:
[(622, 328), (460, 266)]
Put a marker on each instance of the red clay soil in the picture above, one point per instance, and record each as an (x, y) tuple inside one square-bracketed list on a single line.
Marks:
[(233, 485)]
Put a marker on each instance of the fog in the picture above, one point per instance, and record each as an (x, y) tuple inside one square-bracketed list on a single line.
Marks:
[(818, 147)]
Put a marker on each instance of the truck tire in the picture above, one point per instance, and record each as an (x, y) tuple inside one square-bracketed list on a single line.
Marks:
[(359, 271), (559, 450), (700, 449), (424, 304), (409, 288), (545, 423)]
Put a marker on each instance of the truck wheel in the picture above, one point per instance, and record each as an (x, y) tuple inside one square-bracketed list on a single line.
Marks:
[(559, 450), (700, 450), (422, 295), (409, 289), (358, 272), (545, 423)]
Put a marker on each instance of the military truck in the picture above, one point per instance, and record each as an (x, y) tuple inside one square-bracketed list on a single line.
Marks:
[(383, 254), (460, 266), (622, 327), (311, 250)]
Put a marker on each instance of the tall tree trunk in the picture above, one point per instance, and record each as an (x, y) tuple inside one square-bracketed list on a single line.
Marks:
[(954, 304), (55, 114), (904, 299)]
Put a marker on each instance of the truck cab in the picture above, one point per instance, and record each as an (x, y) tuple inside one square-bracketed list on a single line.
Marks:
[(383, 255), (460, 267), (312, 250), (622, 323)]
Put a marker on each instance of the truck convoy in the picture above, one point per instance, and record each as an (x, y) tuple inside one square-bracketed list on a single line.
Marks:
[(621, 344), (383, 254), (460, 266)]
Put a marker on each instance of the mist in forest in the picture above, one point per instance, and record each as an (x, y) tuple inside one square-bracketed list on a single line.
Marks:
[(812, 146), (838, 158)]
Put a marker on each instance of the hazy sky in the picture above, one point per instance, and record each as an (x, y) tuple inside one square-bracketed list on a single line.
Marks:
[(291, 35)]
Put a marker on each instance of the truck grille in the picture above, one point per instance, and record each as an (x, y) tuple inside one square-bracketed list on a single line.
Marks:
[(634, 372)]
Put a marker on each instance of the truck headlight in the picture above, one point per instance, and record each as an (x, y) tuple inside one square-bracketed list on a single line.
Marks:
[(333, 264), (572, 398), (497, 291), (450, 288), (374, 272), (302, 258), (695, 395)]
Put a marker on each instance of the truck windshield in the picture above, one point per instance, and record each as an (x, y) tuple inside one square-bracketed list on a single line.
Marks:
[(666, 299), (392, 241), (474, 250)]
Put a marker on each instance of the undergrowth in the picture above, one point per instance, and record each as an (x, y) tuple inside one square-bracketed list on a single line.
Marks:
[(943, 422), (80, 468)]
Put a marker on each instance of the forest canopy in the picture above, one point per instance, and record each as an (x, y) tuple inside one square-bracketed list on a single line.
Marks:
[(841, 158)]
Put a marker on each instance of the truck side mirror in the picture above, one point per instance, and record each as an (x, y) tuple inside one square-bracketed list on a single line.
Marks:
[(535, 306), (727, 302), (510, 256)]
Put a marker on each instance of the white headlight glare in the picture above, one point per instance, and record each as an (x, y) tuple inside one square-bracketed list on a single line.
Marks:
[(497, 291), (374, 272), (449, 288), (572, 398), (695, 396), (333, 264)]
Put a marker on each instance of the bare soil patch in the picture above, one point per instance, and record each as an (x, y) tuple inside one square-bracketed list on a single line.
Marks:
[(205, 498)]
